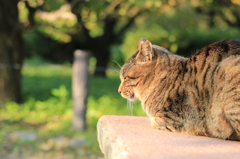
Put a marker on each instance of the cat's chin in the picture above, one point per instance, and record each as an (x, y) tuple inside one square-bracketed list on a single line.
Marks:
[(132, 98)]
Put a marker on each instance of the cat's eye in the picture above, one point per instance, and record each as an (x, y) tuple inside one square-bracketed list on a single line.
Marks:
[(131, 77)]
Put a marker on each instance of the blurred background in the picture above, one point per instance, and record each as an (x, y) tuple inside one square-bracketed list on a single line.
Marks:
[(38, 39)]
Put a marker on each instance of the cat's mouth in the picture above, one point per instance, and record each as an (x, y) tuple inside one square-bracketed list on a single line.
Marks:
[(132, 97)]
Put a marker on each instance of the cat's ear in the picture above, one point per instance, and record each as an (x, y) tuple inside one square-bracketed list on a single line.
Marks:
[(145, 50)]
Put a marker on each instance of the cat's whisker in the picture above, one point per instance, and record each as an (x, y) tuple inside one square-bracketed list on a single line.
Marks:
[(130, 106), (117, 63), (115, 70)]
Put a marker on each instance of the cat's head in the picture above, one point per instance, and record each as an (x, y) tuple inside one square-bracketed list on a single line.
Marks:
[(135, 73)]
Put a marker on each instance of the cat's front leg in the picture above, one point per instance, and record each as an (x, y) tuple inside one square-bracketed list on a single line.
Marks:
[(161, 124)]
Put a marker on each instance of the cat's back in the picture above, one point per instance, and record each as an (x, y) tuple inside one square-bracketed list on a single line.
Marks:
[(217, 51), (204, 69), (209, 57)]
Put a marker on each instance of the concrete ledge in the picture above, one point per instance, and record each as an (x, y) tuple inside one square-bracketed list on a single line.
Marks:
[(128, 137)]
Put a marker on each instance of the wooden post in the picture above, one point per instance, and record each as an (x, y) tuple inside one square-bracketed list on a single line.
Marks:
[(80, 89)]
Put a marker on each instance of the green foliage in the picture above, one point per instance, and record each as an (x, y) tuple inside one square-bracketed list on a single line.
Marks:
[(37, 45), (183, 42), (35, 61), (179, 26), (40, 112), (198, 38), (36, 112), (50, 5), (47, 109)]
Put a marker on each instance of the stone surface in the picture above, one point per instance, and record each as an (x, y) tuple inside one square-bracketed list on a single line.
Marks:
[(77, 142), (22, 136), (128, 137), (60, 142)]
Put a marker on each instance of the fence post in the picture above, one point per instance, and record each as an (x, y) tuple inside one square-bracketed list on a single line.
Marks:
[(80, 88)]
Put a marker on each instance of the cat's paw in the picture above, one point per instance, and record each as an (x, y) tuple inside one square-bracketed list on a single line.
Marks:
[(157, 123)]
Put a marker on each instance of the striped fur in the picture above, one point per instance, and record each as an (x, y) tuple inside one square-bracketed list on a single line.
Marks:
[(199, 95)]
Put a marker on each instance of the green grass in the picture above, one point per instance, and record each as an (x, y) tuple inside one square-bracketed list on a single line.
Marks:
[(47, 108)]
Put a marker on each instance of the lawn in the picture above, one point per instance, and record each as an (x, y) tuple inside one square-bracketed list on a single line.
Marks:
[(47, 113)]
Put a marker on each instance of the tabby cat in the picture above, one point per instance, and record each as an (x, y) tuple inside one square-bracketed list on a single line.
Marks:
[(199, 95)]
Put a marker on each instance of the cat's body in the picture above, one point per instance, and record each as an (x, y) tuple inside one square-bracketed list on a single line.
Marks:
[(199, 95)]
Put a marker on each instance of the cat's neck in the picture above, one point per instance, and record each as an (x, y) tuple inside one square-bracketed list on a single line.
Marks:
[(169, 67), (169, 62), (167, 59)]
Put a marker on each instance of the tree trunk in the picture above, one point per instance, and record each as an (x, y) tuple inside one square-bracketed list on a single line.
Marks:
[(80, 89), (11, 52), (102, 58)]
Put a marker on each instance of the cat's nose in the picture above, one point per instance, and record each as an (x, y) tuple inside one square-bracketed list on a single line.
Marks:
[(119, 90)]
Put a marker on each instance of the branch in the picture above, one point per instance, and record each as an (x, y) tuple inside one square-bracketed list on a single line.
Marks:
[(112, 7), (129, 23), (85, 31), (229, 23), (74, 9), (237, 16), (31, 14), (75, 3)]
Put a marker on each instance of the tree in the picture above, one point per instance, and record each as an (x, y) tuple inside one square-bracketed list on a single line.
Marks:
[(220, 11), (11, 48), (11, 52), (95, 25), (110, 19)]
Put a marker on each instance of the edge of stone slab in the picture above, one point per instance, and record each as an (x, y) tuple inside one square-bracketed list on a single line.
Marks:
[(110, 144)]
